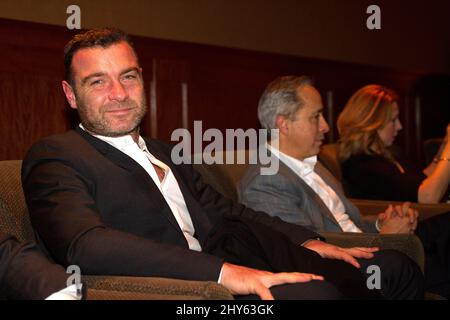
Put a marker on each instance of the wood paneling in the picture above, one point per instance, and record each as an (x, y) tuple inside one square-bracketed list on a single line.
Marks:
[(221, 87)]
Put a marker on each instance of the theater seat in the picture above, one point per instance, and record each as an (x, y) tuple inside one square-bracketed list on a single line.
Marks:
[(14, 220)]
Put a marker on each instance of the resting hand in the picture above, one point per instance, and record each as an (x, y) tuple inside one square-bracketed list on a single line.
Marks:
[(242, 280), (333, 252)]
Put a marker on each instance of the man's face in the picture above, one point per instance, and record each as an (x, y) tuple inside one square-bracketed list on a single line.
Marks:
[(109, 91), (302, 137)]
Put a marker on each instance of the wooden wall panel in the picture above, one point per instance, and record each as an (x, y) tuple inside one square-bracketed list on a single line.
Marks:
[(186, 82), (37, 111)]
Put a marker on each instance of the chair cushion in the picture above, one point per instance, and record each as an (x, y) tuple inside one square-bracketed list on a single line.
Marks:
[(13, 210)]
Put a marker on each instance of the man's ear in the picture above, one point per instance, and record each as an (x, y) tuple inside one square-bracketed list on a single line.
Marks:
[(281, 123), (70, 94)]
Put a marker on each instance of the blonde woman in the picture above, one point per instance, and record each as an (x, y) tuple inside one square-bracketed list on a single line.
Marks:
[(368, 126)]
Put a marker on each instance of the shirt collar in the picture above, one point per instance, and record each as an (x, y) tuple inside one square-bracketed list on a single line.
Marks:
[(121, 142), (302, 168)]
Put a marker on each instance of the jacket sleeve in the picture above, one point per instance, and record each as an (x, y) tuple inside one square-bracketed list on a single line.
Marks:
[(25, 273), (64, 214), (276, 196)]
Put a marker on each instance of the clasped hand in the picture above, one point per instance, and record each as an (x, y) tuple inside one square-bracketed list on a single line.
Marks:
[(398, 219)]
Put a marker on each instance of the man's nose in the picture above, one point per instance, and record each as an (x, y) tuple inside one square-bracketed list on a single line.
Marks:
[(118, 92), (399, 125), (323, 125)]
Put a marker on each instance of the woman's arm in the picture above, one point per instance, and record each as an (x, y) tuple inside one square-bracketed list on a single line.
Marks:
[(433, 187), (430, 168)]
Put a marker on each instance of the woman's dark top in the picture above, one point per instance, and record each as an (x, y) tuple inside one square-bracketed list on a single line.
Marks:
[(376, 177)]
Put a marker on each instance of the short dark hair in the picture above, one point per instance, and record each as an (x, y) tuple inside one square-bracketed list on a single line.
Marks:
[(92, 38)]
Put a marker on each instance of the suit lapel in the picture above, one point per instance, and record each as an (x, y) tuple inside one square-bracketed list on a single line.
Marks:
[(290, 174), (201, 225), (139, 174), (334, 184)]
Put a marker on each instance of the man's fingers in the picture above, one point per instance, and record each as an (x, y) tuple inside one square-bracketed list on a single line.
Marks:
[(306, 277), (407, 210), (405, 206), (349, 259), (413, 226), (275, 279), (416, 215), (367, 249), (398, 211), (412, 215), (389, 211), (263, 292), (291, 277), (360, 252)]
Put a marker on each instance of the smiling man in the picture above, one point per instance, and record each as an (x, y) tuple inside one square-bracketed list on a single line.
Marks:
[(108, 96)]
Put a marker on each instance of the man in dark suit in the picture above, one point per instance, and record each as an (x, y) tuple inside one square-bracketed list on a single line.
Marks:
[(25, 273), (104, 198)]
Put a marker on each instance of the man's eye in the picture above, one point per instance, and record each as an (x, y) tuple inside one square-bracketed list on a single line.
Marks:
[(96, 82), (130, 77)]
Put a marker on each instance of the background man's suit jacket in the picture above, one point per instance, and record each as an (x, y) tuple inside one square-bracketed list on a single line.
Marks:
[(25, 273), (94, 206), (287, 196)]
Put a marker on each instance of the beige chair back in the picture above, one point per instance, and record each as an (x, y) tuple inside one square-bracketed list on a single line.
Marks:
[(14, 218)]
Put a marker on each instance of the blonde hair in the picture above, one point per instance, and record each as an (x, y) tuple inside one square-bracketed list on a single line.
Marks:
[(367, 110)]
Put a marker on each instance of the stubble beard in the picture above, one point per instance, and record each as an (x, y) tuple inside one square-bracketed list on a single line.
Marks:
[(102, 126)]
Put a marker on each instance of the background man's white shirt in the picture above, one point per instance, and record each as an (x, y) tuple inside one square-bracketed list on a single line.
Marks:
[(305, 170)]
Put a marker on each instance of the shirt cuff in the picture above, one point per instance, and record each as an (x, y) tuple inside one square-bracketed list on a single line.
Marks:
[(69, 293), (219, 281), (377, 225), (304, 243)]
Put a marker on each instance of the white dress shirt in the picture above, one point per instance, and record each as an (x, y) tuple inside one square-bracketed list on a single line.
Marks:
[(305, 170), (168, 186), (69, 293)]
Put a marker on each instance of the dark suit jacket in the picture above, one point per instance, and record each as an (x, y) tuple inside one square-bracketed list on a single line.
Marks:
[(287, 196), (25, 273), (94, 206)]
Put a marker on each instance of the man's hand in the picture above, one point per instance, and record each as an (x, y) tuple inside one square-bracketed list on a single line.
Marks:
[(242, 280), (398, 219), (412, 214), (347, 254)]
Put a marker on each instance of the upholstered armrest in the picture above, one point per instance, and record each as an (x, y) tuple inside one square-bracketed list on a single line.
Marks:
[(372, 207), (406, 243), (149, 288)]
